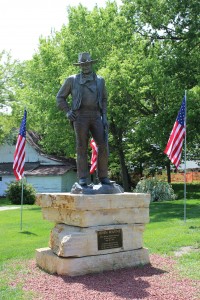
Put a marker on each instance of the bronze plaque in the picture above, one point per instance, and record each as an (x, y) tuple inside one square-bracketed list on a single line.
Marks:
[(108, 239)]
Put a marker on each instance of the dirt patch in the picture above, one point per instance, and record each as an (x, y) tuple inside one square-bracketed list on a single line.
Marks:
[(185, 250)]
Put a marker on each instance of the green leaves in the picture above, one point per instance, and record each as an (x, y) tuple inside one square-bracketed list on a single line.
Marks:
[(14, 190), (147, 52)]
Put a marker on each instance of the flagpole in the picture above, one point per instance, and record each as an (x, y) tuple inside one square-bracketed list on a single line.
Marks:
[(185, 162), (22, 192), (22, 200), (19, 157)]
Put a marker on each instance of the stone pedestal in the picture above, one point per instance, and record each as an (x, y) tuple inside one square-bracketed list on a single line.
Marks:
[(93, 233)]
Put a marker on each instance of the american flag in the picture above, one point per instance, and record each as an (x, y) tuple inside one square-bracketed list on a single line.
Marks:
[(19, 155), (175, 142), (94, 156)]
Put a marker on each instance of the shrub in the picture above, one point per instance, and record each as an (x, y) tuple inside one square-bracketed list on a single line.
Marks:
[(159, 190), (14, 191)]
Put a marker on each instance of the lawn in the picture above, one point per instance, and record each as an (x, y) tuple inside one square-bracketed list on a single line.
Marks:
[(22, 244), (166, 233), (17, 246)]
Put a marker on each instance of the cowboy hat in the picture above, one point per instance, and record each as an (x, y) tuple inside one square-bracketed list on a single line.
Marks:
[(84, 58)]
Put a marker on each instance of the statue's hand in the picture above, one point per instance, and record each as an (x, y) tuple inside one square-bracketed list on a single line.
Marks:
[(104, 121), (71, 115)]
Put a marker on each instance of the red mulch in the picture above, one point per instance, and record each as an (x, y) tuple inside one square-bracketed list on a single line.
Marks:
[(157, 281)]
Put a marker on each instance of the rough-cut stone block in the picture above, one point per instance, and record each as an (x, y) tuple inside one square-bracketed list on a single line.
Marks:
[(52, 263), (74, 241), (93, 202), (97, 217)]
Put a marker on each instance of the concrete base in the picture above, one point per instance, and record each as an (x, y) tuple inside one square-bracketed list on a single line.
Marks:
[(95, 210), (93, 202), (93, 233), (90, 218), (68, 241), (50, 262)]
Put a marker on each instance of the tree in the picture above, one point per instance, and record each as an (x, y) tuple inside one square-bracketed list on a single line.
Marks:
[(148, 54), (8, 80), (42, 76), (173, 27)]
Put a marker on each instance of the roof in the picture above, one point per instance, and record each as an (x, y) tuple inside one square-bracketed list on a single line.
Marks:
[(33, 139), (7, 168), (36, 169), (190, 164), (43, 170)]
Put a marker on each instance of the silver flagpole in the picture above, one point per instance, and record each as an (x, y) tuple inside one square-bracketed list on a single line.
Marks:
[(22, 193), (185, 162), (22, 200)]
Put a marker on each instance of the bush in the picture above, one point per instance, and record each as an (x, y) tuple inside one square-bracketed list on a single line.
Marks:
[(159, 190), (14, 191)]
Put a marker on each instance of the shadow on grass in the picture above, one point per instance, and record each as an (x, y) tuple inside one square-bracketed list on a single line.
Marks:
[(194, 228), (28, 233), (193, 190), (35, 208), (164, 211), (4, 201)]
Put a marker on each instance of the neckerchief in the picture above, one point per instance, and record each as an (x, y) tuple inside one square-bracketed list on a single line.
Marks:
[(84, 79)]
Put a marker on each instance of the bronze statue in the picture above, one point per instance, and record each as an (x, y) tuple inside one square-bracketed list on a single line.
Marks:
[(88, 115)]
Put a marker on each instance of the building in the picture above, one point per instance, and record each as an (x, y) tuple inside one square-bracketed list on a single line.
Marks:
[(46, 173)]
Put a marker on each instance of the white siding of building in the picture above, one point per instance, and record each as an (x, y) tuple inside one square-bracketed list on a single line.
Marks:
[(4, 181), (53, 183), (45, 184), (7, 155), (68, 180)]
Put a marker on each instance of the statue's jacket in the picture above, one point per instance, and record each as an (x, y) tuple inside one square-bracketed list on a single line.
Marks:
[(72, 85)]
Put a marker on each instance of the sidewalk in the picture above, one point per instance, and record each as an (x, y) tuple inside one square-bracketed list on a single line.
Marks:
[(8, 207)]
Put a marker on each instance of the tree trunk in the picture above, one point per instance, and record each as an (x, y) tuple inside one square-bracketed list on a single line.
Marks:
[(141, 170), (117, 135), (168, 172), (124, 172)]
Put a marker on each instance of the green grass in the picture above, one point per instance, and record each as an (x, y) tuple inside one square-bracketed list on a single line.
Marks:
[(17, 246), (22, 244), (4, 201), (167, 232), (10, 286), (192, 190)]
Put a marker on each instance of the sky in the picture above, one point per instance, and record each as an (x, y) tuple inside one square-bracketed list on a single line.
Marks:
[(22, 22)]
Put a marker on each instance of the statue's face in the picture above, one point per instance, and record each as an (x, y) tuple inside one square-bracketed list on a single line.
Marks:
[(86, 68)]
